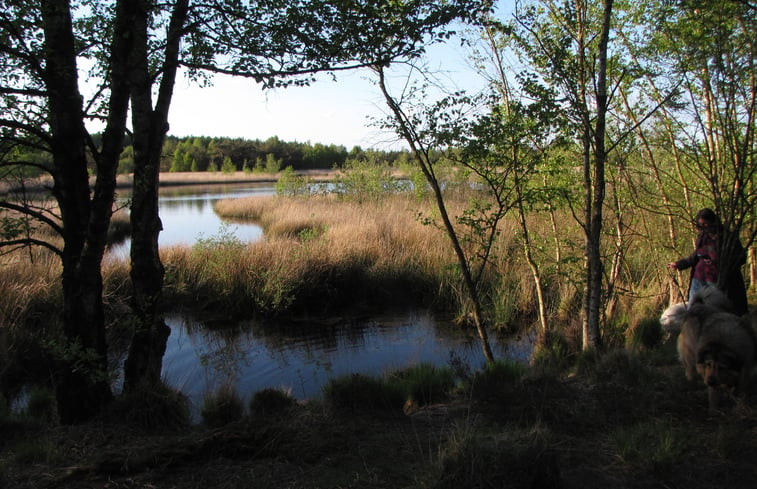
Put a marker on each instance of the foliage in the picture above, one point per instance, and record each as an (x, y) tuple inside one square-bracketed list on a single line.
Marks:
[(292, 184), (423, 384), (227, 166), (365, 181), (358, 392), (41, 404), (494, 376), (35, 451), (647, 334)]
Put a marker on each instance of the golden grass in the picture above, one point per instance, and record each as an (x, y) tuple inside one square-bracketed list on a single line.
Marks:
[(317, 251), (29, 280)]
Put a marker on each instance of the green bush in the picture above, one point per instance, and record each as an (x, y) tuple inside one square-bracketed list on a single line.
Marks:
[(647, 334), (618, 366), (33, 451), (291, 184), (364, 180), (494, 377), (423, 384)]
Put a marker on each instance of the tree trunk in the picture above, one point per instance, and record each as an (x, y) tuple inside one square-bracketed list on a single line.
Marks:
[(82, 386), (595, 190), (144, 363)]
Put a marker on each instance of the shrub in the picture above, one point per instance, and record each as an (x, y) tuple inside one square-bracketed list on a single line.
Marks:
[(359, 392), (222, 407), (32, 451), (157, 406), (364, 181), (424, 383), (271, 402), (553, 353), (615, 366), (494, 377), (647, 334), (291, 184)]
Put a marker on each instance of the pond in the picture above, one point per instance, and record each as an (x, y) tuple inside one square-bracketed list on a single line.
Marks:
[(301, 357), (187, 214), (298, 356)]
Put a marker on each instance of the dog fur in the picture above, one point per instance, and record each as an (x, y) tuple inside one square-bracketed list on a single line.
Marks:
[(716, 344), (672, 318)]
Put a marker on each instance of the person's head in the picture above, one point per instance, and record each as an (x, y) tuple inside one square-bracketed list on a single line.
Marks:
[(707, 220)]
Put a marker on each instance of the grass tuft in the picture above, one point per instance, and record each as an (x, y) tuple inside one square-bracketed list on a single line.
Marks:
[(272, 402), (153, 408), (489, 382), (423, 384), (358, 392), (222, 407), (33, 451), (654, 445)]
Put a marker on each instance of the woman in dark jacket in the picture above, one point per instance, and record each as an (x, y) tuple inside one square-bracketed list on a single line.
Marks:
[(707, 260)]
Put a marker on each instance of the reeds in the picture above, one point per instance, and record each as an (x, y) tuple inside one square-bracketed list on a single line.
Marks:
[(29, 285), (318, 253)]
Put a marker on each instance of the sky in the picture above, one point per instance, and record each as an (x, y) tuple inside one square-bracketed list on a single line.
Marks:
[(328, 112)]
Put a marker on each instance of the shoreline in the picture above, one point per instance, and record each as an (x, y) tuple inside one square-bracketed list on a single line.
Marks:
[(175, 179)]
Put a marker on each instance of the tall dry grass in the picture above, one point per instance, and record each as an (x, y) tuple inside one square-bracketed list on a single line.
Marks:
[(309, 239), (318, 253), (29, 285)]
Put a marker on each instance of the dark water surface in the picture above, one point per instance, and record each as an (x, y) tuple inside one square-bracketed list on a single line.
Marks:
[(301, 357)]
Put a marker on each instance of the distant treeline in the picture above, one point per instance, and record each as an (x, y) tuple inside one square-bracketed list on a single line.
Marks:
[(271, 155)]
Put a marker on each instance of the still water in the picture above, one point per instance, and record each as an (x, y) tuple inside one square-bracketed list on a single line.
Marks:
[(299, 357), (187, 214)]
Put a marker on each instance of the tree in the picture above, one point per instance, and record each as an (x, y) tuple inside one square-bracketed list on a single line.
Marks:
[(144, 363), (430, 130), (516, 135), (567, 45), (43, 109), (710, 46)]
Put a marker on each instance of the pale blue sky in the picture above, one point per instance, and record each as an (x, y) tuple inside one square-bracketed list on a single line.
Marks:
[(326, 112)]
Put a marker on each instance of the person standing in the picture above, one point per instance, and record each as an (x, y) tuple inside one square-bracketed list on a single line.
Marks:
[(706, 259)]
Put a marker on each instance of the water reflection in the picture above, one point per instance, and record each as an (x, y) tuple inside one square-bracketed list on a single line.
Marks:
[(303, 356), (187, 214)]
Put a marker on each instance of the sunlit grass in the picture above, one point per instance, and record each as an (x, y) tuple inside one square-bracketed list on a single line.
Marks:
[(318, 252)]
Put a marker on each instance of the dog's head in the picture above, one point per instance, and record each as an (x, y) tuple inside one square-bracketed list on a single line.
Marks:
[(672, 317), (718, 366)]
